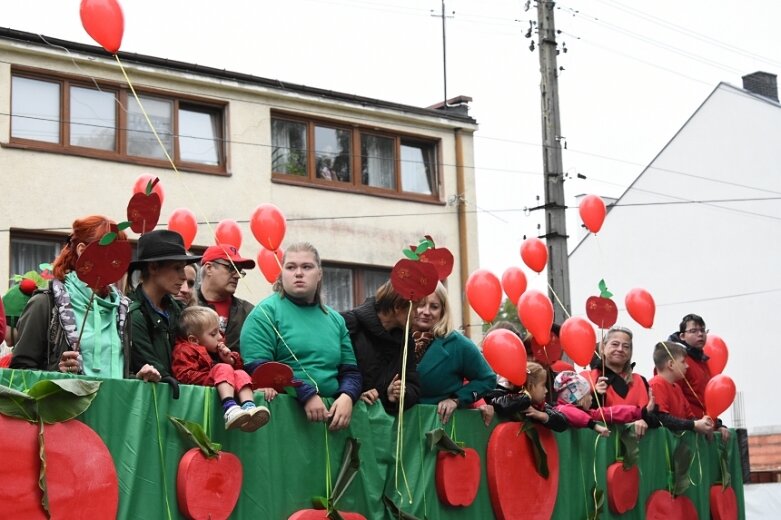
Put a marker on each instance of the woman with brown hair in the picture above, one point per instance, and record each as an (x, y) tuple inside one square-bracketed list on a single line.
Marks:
[(50, 334)]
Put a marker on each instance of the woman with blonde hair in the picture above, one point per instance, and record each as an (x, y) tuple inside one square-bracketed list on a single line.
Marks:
[(446, 359)]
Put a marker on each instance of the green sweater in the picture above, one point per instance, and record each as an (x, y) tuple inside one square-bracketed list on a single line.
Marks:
[(319, 340)]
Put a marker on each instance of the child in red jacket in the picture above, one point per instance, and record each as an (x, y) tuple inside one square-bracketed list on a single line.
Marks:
[(574, 400), (201, 358)]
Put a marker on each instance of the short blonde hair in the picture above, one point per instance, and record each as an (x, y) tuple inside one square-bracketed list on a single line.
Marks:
[(194, 320)]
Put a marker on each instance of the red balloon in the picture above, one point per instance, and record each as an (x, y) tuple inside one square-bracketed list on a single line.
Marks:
[(484, 292), (514, 283), (641, 307), (104, 22), (268, 225), (536, 313), (578, 340), (534, 254), (719, 394), (716, 350), (142, 182), (270, 263), (506, 354), (182, 220), (228, 232), (592, 212)]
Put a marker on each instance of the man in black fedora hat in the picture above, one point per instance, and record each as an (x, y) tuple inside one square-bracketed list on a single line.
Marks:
[(154, 313)]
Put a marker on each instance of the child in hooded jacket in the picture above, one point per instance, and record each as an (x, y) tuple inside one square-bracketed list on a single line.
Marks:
[(516, 403), (574, 399)]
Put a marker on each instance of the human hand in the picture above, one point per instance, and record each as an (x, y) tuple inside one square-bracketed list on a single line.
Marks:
[(269, 393), (651, 403), (148, 373), (445, 408), (538, 415), (602, 430), (640, 428), (340, 413), (315, 409), (224, 354), (601, 386), (704, 425), (394, 389), (370, 396), (69, 362), (487, 411)]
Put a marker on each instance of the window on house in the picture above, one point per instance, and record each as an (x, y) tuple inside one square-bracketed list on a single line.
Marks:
[(29, 252), (351, 158), (106, 120), (346, 287)]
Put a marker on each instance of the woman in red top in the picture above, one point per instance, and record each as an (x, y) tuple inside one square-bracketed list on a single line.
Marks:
[(613, 377)]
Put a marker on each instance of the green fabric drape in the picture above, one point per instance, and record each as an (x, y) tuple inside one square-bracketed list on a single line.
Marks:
[(284, 462)]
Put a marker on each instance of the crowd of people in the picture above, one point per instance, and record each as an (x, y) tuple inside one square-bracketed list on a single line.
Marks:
[(179, 323)]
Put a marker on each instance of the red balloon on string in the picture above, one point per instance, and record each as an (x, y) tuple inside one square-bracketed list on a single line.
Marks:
[(578, 340), (182, 220), (228, 232), (484, 292), (104, 22), (513, 283), (592, 212), (142, 182), (270, 263), (641, 307), (534, 254), (268, 225), (717, 352), (719, 394), (536, 313), (505, 353)]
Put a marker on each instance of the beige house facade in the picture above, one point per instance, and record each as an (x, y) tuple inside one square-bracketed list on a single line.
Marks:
[(359, 178)]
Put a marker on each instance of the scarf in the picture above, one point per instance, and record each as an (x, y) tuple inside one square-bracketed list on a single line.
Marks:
[(422, 341)]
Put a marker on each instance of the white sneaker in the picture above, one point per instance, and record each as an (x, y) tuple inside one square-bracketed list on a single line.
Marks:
[(259, 416), (235, 417)]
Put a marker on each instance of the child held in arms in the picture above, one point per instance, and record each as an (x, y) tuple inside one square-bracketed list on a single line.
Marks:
[(574, 399), (514, 403), (201, 358), (673, 409)]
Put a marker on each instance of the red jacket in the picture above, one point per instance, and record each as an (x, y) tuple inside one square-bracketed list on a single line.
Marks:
[(698, 376), (191, 363)]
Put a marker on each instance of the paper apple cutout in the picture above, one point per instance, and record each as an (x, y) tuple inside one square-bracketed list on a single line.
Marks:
[(623, 487), (274, 374), (601, 310), (414, 280), (442, 260), (143, 210), (105, 262), (662, 505), (723, 503), (208, 488), (458, 477)]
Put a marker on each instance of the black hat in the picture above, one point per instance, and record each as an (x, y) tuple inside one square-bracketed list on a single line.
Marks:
[(159, 246)]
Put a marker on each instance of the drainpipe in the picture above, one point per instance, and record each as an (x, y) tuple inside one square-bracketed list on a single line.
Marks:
[(463, 245)]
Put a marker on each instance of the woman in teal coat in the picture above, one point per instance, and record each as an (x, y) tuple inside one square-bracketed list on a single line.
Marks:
[(453, 372)]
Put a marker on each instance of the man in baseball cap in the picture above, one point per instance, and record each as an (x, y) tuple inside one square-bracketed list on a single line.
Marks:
[(221, 269)]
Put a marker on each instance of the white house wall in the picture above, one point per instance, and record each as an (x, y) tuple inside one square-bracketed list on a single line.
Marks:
[(719, 260)]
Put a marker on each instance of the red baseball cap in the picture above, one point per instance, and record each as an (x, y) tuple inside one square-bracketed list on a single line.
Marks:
[(229, 253)]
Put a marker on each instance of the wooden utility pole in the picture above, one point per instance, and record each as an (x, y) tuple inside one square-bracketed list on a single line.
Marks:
[(555, 218)]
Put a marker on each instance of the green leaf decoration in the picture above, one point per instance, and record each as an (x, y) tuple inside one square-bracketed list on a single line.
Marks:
[(412, 255), (151, 184), (50, 401), (123, 225), (45, 266), (631, 447), (193, 432), (439, 440), (107, 238), (603, 292), (395, 511), (598, 496), (682, 460), (726, 476), (14, 403), (351, 464), (319, 503), (540, 456)]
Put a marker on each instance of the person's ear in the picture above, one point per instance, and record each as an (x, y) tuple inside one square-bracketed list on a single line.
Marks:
[(192, 339), (80, 249)]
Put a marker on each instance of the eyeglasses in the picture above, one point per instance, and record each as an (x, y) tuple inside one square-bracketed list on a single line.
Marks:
[(697, 331), (231, 269)]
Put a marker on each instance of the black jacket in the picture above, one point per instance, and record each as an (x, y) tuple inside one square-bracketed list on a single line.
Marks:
[(379, 354)]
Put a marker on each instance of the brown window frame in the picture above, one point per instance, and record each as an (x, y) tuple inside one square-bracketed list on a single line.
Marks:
[(123, 94), (358, 274), (356, 184)]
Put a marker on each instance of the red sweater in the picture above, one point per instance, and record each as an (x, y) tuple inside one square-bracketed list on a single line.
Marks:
[(669, 398), (698, 376)]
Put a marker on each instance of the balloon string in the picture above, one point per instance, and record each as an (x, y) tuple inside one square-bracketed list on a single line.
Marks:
[(596, 397), (327, 469), (556, 296), (594, 467), (160, 447), (400, 421)]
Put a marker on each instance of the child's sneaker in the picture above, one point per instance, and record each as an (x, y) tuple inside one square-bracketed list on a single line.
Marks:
[(258, 417), (235, 417)]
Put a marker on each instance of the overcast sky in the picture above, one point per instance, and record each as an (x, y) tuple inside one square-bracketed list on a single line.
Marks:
[(633, 73)]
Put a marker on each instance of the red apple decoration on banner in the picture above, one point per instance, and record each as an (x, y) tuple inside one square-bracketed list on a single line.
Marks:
[(723, 503), (104, 22), (270, 263), (662, 505), (536, 313), (506, 354), (516, 488), (268, 225), (322, 514), (143, 210), (208, 488), (228, 232), (719, 394), (484, 292), (601, 310), (578, 340), (623, 487), (514, 283), (717, 352), (534, 254), (183, 221), (641, 307), (458, 477), (592, 212)]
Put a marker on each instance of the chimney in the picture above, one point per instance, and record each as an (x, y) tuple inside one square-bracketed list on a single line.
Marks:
[(762, 83)]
